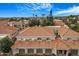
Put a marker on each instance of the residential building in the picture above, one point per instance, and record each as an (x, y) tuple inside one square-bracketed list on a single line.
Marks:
[(19, 24), (8, 31), (57, 47), (47, 40)]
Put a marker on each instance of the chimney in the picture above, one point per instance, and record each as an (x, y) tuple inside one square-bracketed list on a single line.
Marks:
[(58, 37)]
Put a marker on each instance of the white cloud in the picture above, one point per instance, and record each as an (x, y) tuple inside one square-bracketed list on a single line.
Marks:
[(43, 6), (33, 7), (72, 10), (24, 8)]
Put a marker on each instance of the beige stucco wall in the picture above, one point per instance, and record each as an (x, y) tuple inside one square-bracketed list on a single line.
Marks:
[(16, 50)]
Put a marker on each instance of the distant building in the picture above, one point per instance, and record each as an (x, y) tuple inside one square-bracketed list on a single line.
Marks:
[(58, 22), (3, 22), (8, 31), (19, 24)]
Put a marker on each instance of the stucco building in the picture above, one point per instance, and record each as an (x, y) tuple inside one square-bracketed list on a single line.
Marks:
[(48, 40)]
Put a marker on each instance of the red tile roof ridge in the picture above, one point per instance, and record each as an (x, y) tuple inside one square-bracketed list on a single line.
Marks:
[(65, 32), (24, 30)]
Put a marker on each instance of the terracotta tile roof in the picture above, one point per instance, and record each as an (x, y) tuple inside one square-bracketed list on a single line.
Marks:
[(67, 32), (63, 31), (47, 31), (36, 31), (58, 44), (74, 44), (58, 23), (71, 33), (7, 29), (3, 22), (61, 44)]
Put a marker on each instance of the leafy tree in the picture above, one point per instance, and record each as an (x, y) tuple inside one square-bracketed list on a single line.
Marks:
[(50, 19), (34, 22), (5, 45), (76, 28), (43, 21)]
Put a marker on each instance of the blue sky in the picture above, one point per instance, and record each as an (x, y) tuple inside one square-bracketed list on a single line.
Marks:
[(28, 9)]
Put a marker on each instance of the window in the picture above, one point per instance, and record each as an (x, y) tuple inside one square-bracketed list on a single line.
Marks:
[(47, 38), (39, 51), (21, 51), (78, 38), (65, 51), (68, 38), (74, 52), (38, 38), (48, 51), (30, 50), (59, 52)]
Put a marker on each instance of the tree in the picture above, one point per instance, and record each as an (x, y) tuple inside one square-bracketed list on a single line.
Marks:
[(6, 43), (34, 22), (50, 19)]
